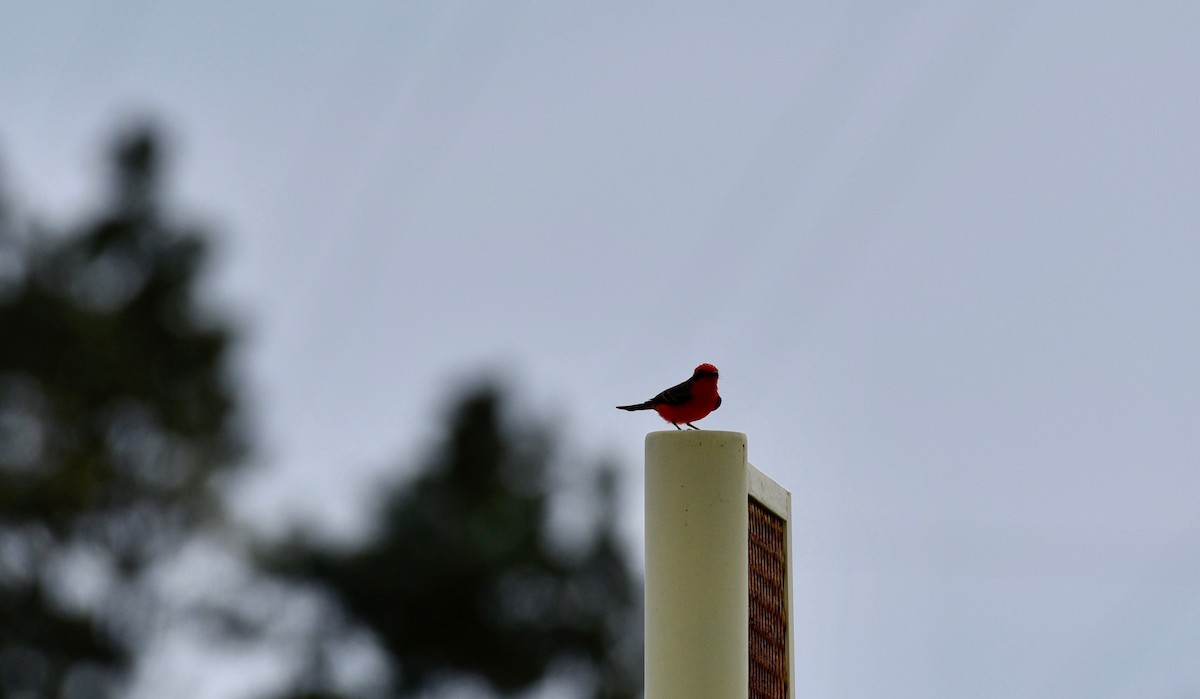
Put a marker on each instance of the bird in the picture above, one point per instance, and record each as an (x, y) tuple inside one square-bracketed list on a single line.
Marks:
[(686, 402)]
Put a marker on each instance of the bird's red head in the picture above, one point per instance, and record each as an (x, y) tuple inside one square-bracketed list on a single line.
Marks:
[(705, 370)]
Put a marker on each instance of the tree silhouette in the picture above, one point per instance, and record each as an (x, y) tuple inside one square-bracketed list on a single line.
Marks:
[(116, 414), (118, 419), (462, 578)]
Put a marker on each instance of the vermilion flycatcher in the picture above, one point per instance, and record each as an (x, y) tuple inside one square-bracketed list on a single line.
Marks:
[(685, 402)]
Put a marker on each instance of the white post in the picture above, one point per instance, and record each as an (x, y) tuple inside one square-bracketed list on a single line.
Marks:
[(697, 616)]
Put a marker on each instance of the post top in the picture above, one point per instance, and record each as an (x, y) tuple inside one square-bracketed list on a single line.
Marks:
[(694, 435), (696, 439)]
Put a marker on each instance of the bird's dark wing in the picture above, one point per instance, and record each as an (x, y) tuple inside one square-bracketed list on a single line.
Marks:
[(675, 395), (718, 403)]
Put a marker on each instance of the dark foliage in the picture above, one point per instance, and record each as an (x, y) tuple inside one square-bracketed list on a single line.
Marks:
[(462, 578), (115, 416), (117, 419)]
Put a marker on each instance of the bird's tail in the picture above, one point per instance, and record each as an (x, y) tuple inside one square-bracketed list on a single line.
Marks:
[(639, 406)]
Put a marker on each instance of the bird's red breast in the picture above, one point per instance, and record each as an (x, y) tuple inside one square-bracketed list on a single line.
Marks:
[(703, 402)]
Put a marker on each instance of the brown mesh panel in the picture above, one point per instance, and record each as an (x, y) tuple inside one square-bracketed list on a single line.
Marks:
[(768, 610)]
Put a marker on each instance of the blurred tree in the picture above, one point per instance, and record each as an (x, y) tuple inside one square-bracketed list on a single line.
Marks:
[(116, 415), (464, 579), (117, 423)]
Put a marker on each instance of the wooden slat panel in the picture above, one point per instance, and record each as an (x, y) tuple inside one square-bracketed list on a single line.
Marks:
[(768, 604)]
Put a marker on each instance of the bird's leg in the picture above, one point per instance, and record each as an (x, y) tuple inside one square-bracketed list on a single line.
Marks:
[(677, 426), (691, 426)]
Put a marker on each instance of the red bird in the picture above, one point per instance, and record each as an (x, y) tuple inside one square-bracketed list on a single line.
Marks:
[(686, 402)]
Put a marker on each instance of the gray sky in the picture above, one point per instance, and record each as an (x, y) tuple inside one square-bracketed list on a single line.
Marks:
[(945, 255)]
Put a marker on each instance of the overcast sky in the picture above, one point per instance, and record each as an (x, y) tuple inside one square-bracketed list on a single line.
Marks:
[(945, 255)]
